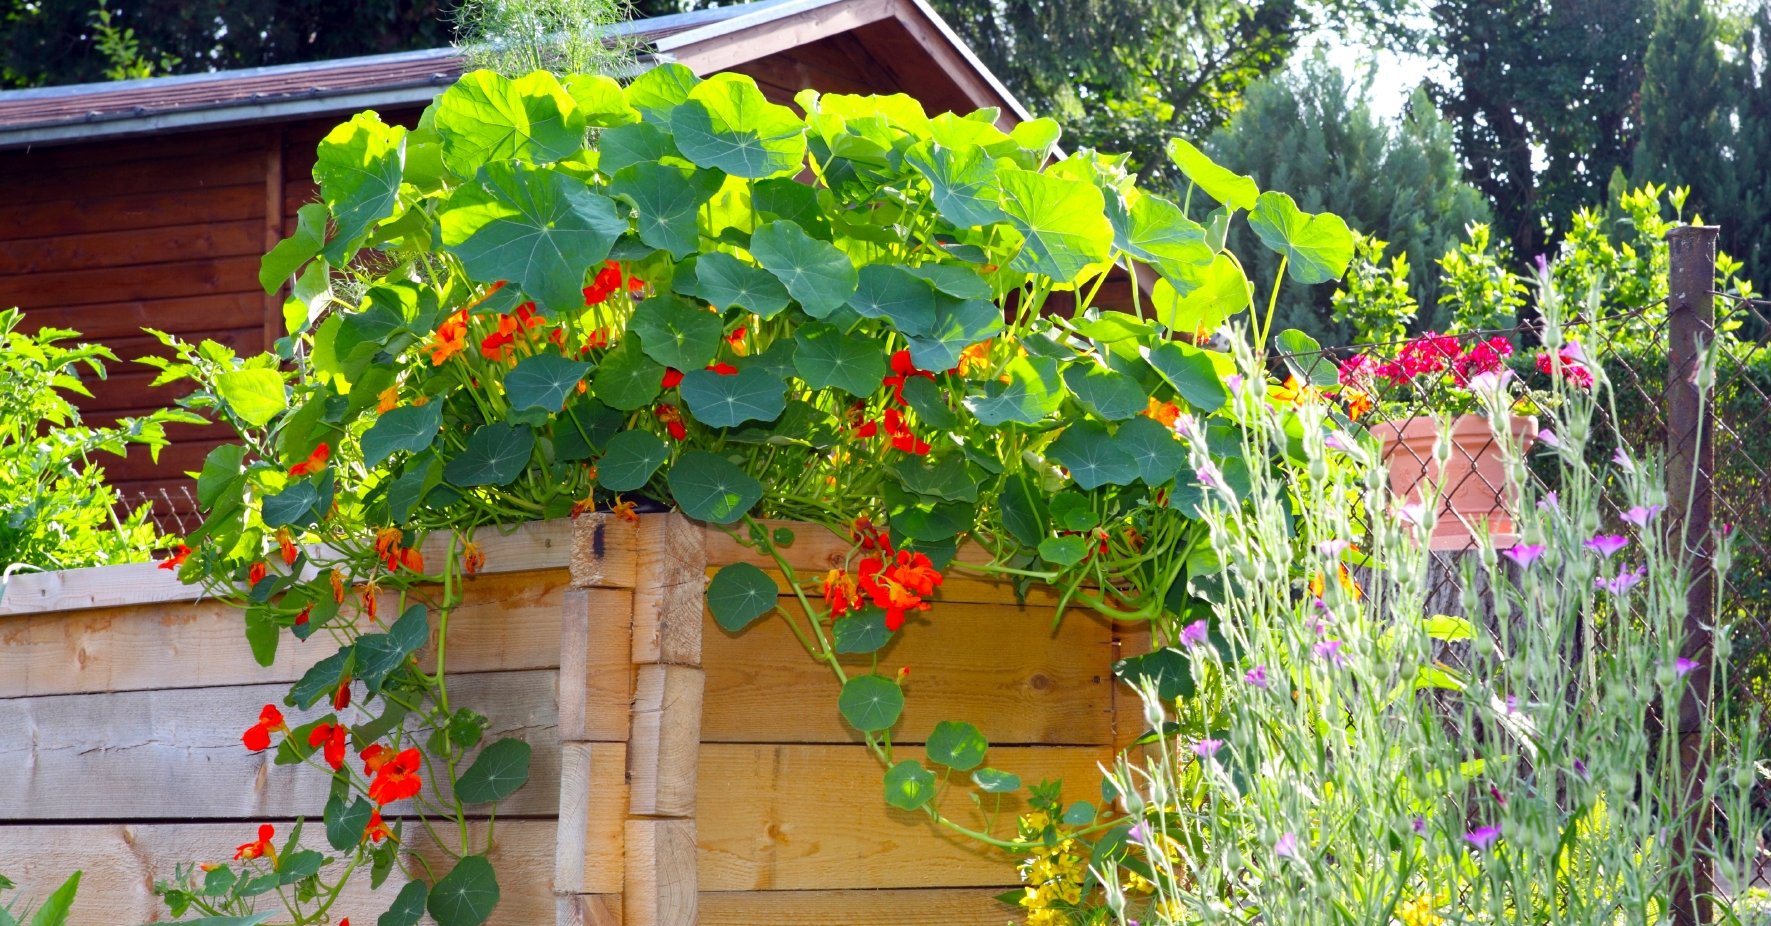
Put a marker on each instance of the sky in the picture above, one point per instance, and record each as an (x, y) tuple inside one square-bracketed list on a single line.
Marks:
[(1396, 75)]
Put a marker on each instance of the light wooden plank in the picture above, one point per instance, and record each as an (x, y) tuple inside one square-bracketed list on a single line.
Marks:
[(1035, 685), (1127, 709), (934, 907), (668, 591), (604, 548), (589, 910), (121, 862), (507, 622), (596, 680), (743, 42), (87, 757), (815, 818), (661, 873), (593, 811), (535, 545), (663, 746)]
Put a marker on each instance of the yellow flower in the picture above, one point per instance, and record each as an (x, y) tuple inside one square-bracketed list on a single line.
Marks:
[(1419, 912)]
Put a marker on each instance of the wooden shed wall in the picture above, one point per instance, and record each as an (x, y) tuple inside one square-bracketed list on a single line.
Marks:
[(681, 774)]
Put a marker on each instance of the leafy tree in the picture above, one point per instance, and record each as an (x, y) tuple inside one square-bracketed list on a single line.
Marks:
[(515, 37), (1542, 95), (1310, 131)]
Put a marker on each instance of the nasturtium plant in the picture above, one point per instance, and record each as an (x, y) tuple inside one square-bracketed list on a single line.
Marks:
[(553, 297)]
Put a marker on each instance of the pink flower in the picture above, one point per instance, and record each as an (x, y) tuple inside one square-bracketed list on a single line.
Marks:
[(1428, 353), (1683, 667), (1287, 846), (1483, 837), (1234, 381), (1623, 460), (1207, 748), (1623, 582), (1332, 548), (1256, 676), (1330, 650), (1414, 513), (1209, 476), (1640, 515), (1548, 438), (1607, 544), (1193, 634), (1357, 370), (1483, 357), (1549, 502), (1572, 363), (1523, 554)]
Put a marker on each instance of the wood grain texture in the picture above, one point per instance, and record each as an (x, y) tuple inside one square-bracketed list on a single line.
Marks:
[(669, 588), (931, 907), (124, 317), (815, 818), (778, 36), (508, 622), (588, 910), (664, 744), (996, 665), (151, 209), (603, 551), (86, 757), (535, 545), (124, 248), (121, 862), (596, 681), (593, 810), (661, 873)]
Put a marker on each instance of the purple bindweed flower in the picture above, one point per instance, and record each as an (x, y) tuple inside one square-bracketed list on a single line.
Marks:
[(1683, 667), (1548, 438), (1623, 461), (1234, 381), (1542, 263), (1331, 651), (1640, 515), (1483, 837), (1512, 703), (1625, 580), (1523, 554), (1287, 846), (1207, 748), (1332, 548), (1334, 441), (1256, 676), (1193, 634), (1607, 544)]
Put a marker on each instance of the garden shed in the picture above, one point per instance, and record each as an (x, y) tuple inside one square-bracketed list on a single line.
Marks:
[(149, 202)]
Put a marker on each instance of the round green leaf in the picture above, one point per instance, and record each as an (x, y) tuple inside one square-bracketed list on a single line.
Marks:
[(727, 123), (601, 101), (1158, 233), (667, 198), (495, 456), (1063, 551), (739, 595), (1191, 372), (411, 428), (485, 118), (871, 703), (814, 272), (728, 400), (632, 458), (497, 774), (891, 291), (945, 477), (345, 822), (992, 781), (540, 228), (626, 145), (1225, 186), (1064, 223), (466, 895), (296, 505), (659, 90), (1024, 510), (725, 281), (959, 746), (908, 785), (712, 488), (627, 379), (1109, 395), (408, 906), (676, 332), (1208, 296), (1318, 247), (1167, 669), (825, 357), (543, 381), (962, 181), (1032, 391), (256, 395), (955, 325), (1152, 448), (862, 632), (1093, 458), (1081, 813), (358, 168)]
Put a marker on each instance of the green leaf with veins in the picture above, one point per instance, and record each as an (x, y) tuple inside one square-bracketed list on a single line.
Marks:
[(814, 272), (1064, 223), (358, 168), (632, 458), (728, 400), (543, 381), (667, 199), (825, 357), (725, 281), (1317, 246), (466, 895), (1226, 186), (712, 488), (677, 333), (739, 595), (727, 123), (484, 118)]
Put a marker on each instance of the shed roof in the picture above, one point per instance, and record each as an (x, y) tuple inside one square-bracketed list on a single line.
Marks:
[(706, 40)]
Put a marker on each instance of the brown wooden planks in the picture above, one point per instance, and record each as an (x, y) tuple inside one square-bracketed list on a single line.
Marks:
[(83, 757), (159, 280), (132, 247), (996, 665), (126, 317), (148, 209), (815, 818), (912, 907)]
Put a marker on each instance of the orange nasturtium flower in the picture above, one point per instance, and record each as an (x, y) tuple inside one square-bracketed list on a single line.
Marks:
[(472, 558), (1319, 584), (387, 547), (258, 736), (377, 829), (337, 587), (261, 848), (396, 779), (332, 737), (1358, 402), (625, 510), (899, 584), (314, 463), (256, 574), (1163, 413), (450, 338), (370, 591), (286, 544), (1293, 392), (975, 358), (387, 399), (839, 592), (177, 558)]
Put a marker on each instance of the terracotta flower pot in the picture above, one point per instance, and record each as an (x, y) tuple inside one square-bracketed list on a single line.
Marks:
[(1474, 489)]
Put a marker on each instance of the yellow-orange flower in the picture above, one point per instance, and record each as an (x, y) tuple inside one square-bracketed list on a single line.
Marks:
[(450, 338), (388, 398), (1358, 402), (1164, 413)]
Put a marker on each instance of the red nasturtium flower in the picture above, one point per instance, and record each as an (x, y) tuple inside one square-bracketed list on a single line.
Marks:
[(306, 615), (900, 434), (672, 378), (261, 848), (177, 558), (472, 558), (839, 592), (332, 736), (258, 736), (286, 543), (723, 369), (314, 463), (377, 829), (903, 368), (899, 584), (672, 419), (396, 779), (374, 757), (607, 281), (256, 574), (341, 698)]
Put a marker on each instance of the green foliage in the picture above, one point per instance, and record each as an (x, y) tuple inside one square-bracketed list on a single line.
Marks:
[(515, 37), (1310, 131), (1374, 299), (122, 50), (56, 511), (1478, 291)]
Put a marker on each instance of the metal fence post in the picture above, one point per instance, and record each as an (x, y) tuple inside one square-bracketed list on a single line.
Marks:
[(1690, 468)]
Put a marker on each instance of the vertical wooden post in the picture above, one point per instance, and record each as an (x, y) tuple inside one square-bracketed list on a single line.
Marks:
[(1691, 464), (273, 229)]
